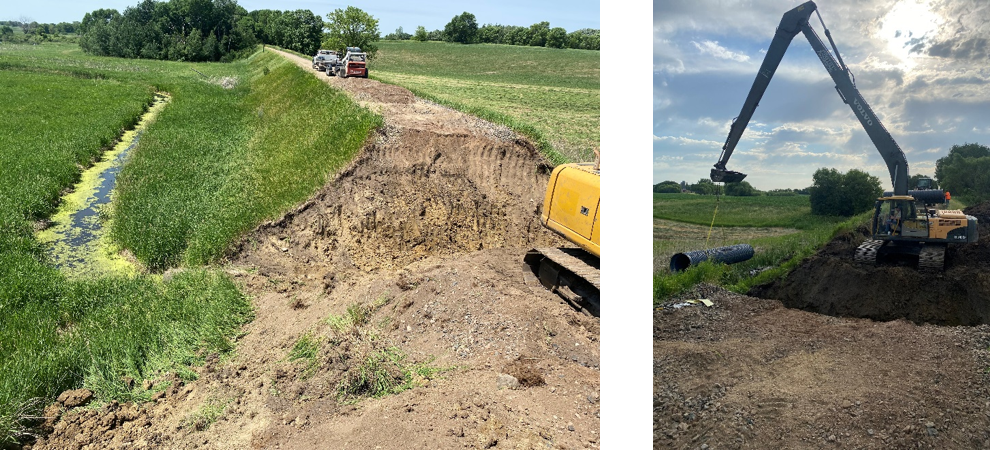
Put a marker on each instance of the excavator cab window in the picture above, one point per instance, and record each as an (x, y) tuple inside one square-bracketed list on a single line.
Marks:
[(892, 214)]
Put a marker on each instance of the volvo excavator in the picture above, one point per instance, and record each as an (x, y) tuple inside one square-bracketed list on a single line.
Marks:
[(902, 228)]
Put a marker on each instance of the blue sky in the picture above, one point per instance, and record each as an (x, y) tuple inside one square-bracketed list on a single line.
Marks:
[(391, 14), (921, 65)]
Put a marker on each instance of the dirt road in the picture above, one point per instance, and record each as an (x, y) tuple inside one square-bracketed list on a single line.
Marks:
[(420, 241), (808, 367)]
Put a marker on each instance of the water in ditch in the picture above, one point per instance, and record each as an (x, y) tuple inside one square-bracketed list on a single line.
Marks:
[(75, 237)]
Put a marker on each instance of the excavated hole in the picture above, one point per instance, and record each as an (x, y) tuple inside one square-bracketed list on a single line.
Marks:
[(831, 283)]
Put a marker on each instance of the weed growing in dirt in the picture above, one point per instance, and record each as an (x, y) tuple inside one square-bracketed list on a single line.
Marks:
[(374, 367), (549, 95), (206, 415), (307, 349)]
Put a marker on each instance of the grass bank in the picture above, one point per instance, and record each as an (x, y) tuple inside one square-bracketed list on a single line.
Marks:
[(549, 95), (782, 230), (219, 161)]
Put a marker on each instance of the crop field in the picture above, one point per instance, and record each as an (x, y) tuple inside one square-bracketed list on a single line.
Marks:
[(781, 230), (224, 155), (551, 95)]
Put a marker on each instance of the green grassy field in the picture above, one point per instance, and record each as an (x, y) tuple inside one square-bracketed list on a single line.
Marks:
[(224, 155), (551, 95), (781, 230)]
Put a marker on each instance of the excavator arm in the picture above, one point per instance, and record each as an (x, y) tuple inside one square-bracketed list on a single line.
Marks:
[(796, 21)]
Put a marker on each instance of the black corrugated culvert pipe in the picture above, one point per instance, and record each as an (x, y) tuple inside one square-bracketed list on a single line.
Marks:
[(729, 255)]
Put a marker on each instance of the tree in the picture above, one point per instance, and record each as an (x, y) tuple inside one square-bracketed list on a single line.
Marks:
[(965, 172), (352, 27), (194, 30), (860, 191), (557, 38), (538, 34), (6, 33), (741, 189), (585, 38), (398, 35), (667, 187), (491, 34), (420, 35), (462, 29), (837, 194), (826, 197), (704, 186)]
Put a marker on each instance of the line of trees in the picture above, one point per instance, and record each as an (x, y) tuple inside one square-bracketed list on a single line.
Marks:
[(705, 186), (298, 30), (34, 32), (222, 30), (464, 29), (190, 30), (219, 30)]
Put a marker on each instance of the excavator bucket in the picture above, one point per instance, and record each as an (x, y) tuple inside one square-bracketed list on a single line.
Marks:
[(727, 176)]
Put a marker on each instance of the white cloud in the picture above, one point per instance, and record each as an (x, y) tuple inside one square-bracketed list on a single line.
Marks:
[(680, 140), (712, 48)]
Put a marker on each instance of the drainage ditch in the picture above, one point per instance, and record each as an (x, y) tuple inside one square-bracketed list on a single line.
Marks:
[(75, 236)]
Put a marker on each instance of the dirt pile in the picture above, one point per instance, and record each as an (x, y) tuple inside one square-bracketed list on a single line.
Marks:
[(752, 373), (831, 283), (405, 270)]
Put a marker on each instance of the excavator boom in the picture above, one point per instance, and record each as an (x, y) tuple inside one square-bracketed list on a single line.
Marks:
[(793, 22)]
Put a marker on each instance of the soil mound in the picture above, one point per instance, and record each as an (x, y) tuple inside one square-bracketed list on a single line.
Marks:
[(411, 195), (831, 283)]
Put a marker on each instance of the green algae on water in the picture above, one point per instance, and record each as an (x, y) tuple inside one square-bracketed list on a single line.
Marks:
[(76, 240)]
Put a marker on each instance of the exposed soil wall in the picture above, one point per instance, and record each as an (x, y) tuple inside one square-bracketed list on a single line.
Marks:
[(831, 283)]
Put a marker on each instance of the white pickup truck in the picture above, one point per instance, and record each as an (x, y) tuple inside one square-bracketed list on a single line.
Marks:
[(324, 60)]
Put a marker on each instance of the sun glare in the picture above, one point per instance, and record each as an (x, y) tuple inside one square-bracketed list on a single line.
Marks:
[(906, 25)]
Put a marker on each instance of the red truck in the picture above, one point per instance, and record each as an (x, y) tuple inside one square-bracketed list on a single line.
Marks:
[(353, 64)]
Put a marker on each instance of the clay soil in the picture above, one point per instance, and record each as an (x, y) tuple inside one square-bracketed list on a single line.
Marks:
[(836, 355), (424, 234)]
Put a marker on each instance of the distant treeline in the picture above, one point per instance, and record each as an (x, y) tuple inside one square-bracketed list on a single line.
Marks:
[(464, 29), (195, 30), (35, 32)]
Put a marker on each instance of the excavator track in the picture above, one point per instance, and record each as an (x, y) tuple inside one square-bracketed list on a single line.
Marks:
[(932, 258), (571, 273), (866, 253)]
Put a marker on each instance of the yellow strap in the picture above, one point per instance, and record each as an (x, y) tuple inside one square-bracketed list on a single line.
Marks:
[(712, 226)]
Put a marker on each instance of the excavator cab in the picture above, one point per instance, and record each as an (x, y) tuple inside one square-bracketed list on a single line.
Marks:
[(897, 217)]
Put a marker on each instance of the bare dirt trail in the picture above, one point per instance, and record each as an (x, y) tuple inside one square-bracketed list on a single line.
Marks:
[(425, 230), (807, 366)]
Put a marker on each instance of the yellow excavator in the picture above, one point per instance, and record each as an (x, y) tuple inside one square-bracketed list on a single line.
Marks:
[(903, 226), (571, 209)]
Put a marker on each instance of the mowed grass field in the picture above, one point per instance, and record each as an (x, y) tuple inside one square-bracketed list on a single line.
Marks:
[(781, 230), (551, 95), (233, 147)]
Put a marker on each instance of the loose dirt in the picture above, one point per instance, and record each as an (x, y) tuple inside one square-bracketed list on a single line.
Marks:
[(846, 356), (421, 239)]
